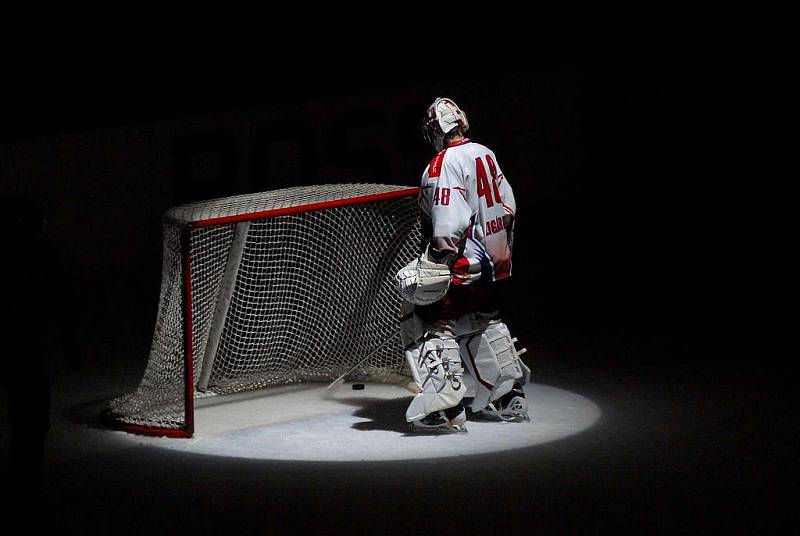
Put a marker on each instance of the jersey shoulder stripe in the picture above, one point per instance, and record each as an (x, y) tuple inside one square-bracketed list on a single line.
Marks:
[(435, 167)]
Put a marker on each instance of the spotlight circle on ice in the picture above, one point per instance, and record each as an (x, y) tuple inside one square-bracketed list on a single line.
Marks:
[(310, 423)]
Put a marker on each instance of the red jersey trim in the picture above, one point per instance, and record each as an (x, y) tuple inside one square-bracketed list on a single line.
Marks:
[(459, 142), (435, 167)]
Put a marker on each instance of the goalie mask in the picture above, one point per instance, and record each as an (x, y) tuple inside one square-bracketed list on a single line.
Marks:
[(443, 116)]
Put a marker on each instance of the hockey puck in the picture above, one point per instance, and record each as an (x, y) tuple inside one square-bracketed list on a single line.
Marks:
[(358, 387)]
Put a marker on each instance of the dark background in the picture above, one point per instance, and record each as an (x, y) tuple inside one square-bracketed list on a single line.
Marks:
[(615, 230), (630, 227), (626, 247)]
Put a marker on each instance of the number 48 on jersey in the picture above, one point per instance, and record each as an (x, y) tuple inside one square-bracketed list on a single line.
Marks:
[(491, 194)]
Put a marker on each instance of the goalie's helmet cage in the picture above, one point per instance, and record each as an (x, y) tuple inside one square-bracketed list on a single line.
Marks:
[(443, 116), (287, 286)]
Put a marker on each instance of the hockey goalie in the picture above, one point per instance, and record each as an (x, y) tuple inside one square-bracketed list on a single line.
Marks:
[(452, 292)]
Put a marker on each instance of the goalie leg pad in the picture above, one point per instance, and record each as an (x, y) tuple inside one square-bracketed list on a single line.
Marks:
[(493, 362), (436, 367)]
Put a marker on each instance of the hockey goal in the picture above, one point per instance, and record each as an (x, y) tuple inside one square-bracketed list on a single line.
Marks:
[(287, 286)]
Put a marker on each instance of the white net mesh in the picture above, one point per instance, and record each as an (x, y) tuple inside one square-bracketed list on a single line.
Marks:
[(310, 297)]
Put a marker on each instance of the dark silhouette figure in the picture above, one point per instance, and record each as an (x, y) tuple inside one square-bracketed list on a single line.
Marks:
[(31, 273)]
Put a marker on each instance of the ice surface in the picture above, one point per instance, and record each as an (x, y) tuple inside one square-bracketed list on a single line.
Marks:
[(307, 423)]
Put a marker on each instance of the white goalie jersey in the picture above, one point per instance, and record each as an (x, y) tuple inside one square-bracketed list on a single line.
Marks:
[(469, 207)]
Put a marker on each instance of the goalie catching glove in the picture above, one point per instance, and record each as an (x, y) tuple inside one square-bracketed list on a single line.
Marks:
[(423, 282)]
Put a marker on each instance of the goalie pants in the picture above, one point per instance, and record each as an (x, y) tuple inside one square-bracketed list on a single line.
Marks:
[(464, 327)]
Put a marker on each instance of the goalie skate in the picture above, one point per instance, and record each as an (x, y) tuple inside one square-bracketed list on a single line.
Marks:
[(451, 420), (512, 407)]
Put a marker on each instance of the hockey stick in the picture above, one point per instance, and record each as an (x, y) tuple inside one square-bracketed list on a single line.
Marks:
[(338, 381)]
